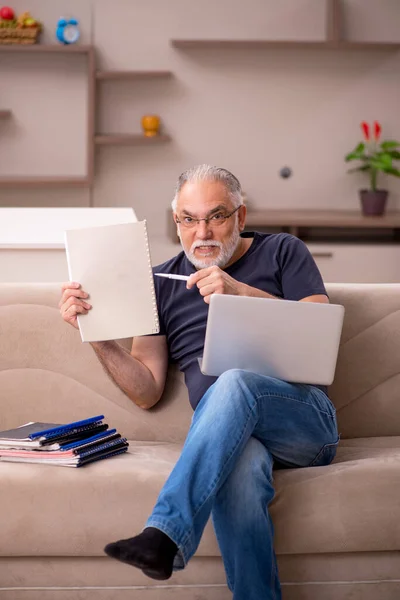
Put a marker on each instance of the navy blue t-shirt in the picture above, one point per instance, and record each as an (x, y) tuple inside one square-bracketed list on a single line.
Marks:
[(279, 264)]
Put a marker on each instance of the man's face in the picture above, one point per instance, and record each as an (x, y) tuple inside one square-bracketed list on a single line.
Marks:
[(214, 242)]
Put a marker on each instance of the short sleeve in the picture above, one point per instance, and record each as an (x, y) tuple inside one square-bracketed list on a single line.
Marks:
[(300, 276)]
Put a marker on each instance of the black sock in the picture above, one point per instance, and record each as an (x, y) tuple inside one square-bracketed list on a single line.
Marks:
[(152, 551)]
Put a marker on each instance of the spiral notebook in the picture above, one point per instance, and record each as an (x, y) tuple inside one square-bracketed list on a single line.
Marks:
[(113, 265)]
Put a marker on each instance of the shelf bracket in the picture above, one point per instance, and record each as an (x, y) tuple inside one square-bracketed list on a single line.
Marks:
[(334, 24)]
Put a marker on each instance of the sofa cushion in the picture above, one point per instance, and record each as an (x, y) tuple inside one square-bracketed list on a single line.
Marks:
[(43, 358), (365, 389), (351, 505)]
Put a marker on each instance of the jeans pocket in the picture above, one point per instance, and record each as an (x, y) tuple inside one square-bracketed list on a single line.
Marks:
[(326, 455), (322, 402)]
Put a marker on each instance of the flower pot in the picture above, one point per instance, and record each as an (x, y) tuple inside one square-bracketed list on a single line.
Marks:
[(373, 203)]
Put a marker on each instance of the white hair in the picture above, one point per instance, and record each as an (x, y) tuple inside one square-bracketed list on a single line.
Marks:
[(210, 173)]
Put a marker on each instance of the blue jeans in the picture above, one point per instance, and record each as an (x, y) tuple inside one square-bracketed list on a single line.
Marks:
[(242, 425)]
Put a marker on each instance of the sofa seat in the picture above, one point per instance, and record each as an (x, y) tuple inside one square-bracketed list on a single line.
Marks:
[(74, 512)]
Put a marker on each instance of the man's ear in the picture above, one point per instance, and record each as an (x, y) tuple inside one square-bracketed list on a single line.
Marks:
[(174, 215), (242, 216)]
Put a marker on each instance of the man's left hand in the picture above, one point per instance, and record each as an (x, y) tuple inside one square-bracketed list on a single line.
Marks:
[(213, 280)]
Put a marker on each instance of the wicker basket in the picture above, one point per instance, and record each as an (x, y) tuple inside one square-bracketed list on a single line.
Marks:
[(20, 35)]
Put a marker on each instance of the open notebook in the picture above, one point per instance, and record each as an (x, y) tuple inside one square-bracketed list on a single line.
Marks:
[(113, 265)]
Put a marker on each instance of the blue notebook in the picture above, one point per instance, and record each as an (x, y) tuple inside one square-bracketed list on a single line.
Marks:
[(83, 442), (89, 441), (35, 435), (57, 430)]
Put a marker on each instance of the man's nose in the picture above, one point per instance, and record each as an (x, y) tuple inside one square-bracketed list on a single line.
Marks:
[(204, 230)]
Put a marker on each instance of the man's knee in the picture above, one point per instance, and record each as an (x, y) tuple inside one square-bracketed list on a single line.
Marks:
[(230, 392), (235, 377)]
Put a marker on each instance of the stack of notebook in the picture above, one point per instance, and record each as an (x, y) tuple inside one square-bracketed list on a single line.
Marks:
[(69, 445)]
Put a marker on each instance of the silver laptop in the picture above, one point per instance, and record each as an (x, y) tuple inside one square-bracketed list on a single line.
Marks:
[(293, 341)]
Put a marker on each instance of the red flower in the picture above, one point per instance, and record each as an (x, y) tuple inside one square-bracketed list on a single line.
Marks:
[(377, 130), (365, 128)]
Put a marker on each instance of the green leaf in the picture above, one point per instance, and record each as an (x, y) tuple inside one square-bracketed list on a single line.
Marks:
[(378, 166), (354, 156), (385, 158), (394, 154), (360, 148), (389, 145), (364, 168), (391, 171), (357, 153), (381, 162)]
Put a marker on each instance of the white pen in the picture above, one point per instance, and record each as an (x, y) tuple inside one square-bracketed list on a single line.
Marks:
[(173, 276)]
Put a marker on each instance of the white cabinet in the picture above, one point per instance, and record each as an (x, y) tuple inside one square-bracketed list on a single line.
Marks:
[(357, 263), (32, 239)]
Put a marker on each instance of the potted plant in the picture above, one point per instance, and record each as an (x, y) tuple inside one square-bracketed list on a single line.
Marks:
[(375, 157)]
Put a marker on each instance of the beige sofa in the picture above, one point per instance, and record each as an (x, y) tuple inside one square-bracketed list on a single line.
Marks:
[(337, 527)]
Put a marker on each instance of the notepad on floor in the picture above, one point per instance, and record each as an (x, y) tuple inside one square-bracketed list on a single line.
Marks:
[(113, 265)]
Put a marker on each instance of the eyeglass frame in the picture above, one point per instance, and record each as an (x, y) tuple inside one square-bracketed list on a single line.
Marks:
[(207, 219)]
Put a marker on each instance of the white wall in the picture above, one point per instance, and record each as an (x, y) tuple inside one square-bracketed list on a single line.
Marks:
[(252, 111)]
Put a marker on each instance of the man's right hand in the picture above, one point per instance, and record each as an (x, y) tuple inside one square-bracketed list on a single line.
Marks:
[(73, 302)]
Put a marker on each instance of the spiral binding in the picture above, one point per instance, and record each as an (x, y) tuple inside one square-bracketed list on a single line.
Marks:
[(156, 327)]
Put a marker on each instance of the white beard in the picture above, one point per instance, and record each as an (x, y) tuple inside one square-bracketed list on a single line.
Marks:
[(225, 254)]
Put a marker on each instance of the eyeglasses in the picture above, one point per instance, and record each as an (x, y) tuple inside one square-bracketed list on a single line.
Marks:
[(213, 221)]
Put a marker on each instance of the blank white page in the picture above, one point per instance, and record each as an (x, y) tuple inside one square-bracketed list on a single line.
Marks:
[(112, 263)]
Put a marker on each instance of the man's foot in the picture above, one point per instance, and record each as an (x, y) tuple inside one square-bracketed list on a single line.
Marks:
[(152, 551)]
